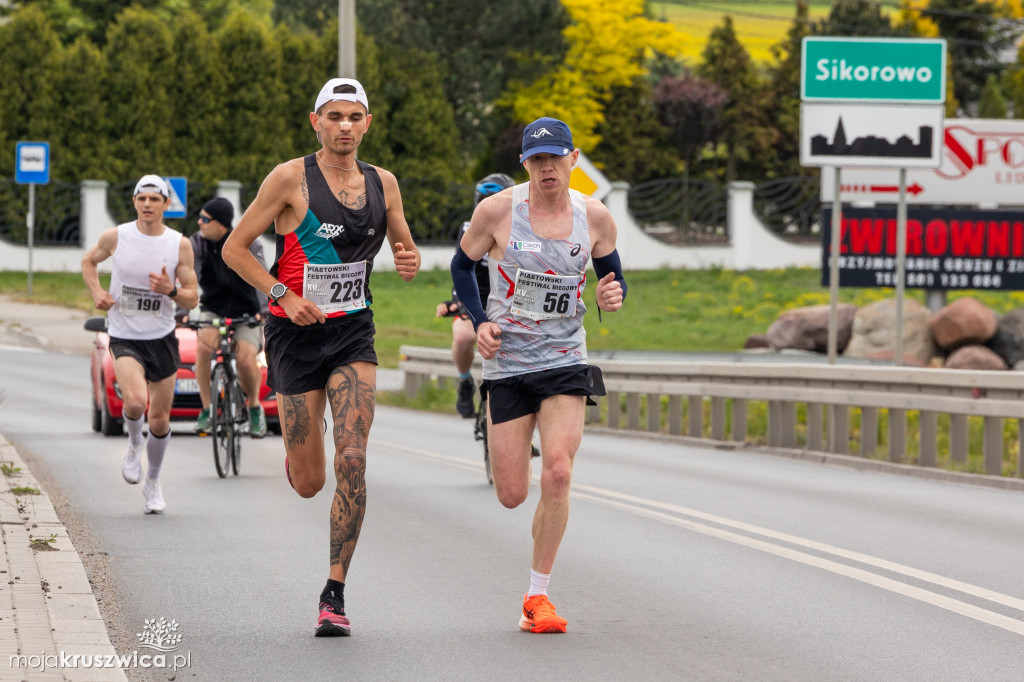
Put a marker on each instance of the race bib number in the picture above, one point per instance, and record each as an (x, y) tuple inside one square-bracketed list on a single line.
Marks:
[(335, 287), (539, 296), (140, 302)]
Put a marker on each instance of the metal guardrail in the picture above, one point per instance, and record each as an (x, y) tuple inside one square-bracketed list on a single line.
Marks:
[(711, 400)]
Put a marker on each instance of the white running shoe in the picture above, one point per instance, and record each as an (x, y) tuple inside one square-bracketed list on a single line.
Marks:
[(131, 467), (154, 497)]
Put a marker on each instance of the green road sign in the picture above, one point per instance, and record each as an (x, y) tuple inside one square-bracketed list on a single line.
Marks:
[(873, 70)]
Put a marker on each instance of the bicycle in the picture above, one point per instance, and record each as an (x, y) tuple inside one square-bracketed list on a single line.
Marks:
[(229, 416), (480, 433)]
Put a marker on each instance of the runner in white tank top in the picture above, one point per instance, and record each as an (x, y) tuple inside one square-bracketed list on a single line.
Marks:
[(152, 270), (539, 237), (141, 313)]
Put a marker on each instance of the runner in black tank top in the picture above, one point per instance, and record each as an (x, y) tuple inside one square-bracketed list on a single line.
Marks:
[(331, 215)]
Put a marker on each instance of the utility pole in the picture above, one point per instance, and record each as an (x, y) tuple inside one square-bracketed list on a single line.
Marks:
[(347, 38)]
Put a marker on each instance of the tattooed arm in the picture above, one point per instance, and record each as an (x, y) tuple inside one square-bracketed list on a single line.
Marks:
[(283, 200)]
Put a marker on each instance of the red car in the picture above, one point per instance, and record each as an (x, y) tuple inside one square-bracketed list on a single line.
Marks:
[(107, 403)]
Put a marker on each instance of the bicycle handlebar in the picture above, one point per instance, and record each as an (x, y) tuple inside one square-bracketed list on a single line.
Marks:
[(246, 320)]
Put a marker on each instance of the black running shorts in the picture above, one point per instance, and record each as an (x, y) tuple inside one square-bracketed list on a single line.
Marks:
[(301, 358), (158, 357), (517, 396)]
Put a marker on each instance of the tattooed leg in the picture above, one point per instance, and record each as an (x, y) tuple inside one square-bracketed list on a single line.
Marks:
[(303, 440), (352, 393)]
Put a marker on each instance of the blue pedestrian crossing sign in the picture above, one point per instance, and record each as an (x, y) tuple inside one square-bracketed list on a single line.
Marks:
[(32, 163), (179, 198)]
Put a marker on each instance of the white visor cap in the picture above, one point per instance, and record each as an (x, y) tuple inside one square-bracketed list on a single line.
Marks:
[(327, 93)]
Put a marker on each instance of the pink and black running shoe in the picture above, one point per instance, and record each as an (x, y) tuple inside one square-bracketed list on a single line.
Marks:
[(333, 621)]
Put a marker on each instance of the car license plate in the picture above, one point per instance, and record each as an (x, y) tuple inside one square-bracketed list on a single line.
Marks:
[(186, 386)]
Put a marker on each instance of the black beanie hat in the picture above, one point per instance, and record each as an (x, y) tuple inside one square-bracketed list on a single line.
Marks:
[(221, 210)]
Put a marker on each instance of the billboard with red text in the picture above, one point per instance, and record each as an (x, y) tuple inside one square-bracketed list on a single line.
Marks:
[(946, 248)]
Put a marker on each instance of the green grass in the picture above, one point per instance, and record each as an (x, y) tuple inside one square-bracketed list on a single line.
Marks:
[(758, 25), (666, 310)]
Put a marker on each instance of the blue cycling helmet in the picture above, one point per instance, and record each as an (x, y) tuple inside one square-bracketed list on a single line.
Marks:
[(492, 184)]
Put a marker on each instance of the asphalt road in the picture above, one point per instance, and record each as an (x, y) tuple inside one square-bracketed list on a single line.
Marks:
[(680, 563)]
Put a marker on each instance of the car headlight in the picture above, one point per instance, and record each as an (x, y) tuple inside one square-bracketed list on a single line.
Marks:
[(117, 391)]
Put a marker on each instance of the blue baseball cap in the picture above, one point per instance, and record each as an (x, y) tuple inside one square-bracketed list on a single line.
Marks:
[(546, 136)]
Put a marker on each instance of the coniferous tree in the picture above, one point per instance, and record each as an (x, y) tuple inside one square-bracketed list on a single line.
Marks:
[(634, 144), (28, 96), (977, 38), (992, 104), (782, 97), (252, 128), (305, 67), (747, 136), (83, 148), (139, 54), (856, 18), (198, 94)]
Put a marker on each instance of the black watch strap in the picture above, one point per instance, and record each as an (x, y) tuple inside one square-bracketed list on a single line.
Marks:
[(174, 291)]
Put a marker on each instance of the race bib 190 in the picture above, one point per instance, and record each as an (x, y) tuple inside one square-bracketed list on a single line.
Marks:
[(335, 287), (539, 296), (138, 301)]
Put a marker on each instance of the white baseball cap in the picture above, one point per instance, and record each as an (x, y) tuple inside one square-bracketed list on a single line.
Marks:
[(152, 183), (328, 94)]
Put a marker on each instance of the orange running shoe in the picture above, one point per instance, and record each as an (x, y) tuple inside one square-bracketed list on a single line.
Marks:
[(539, 615)]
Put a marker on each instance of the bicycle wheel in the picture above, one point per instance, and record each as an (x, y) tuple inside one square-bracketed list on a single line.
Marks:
[(222, 426), (241, 419), (480, 433)]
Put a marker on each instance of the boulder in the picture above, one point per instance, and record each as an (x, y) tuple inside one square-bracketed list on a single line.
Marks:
[(963, 322), (873, 331), (975, 357), (807, 328), (1008, 341), (756, 341)]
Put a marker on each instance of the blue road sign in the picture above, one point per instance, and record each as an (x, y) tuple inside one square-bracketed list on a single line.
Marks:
[(32, 163), (179, 198)]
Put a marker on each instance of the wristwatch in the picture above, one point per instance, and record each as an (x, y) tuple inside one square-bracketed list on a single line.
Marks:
[(277, 291), (173, 292)]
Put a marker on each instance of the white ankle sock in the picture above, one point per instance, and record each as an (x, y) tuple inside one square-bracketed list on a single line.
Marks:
[(538, 583), (156, 446), (134, 428)]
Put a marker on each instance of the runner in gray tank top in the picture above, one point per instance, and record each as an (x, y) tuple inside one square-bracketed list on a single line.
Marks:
[(539, 237)]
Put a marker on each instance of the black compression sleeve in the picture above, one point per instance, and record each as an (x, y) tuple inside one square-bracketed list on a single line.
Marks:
[(466, 286), (610, 263)]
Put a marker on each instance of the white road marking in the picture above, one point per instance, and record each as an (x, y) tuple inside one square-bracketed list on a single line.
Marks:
[(672, 514)]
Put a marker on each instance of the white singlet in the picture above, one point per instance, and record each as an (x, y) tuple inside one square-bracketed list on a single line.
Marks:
[(139, 313)]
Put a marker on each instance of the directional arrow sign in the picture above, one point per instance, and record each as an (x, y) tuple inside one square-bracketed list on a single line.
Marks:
[(982, 163)]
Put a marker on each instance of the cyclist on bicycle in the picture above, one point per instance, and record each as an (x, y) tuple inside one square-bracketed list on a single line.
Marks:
[(225, 294), (463, 334)]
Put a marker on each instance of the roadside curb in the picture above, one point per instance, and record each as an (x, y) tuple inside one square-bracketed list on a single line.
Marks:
[(48, 612)]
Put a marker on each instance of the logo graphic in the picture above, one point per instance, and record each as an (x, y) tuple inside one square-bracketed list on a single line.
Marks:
[(328, 231), (526, 246), (160, 635), (575, 250), (541, 133)]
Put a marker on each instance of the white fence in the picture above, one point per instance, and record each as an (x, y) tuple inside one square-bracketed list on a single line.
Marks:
[(751, 247)]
